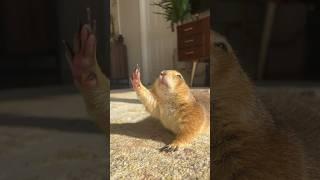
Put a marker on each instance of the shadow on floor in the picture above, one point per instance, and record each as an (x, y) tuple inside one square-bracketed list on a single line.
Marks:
[(50, 123), (134, 101), (148, 128), (34, 93)]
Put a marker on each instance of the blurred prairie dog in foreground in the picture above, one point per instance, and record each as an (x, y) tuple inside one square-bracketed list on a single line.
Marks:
[(87, 75), (247, 144), (171, 101)]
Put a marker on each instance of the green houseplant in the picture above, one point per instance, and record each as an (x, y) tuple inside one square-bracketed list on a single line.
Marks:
[(175, 11)]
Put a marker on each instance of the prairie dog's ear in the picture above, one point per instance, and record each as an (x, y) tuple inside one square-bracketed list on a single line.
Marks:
[(220, 42)]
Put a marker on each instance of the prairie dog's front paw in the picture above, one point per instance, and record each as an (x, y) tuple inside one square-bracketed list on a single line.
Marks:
[(135, 78), (82, 57)]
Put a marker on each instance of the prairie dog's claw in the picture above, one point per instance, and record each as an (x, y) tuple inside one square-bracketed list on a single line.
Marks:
[(169, 148), (136, 71), (68, 47), (135, 78), (88, 15)]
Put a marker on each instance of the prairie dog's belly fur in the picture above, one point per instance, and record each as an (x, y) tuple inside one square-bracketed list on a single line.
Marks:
[(172, 116), (169, 117)]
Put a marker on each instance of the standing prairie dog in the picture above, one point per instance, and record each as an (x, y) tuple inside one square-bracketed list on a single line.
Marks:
[(247, 144), (171, 101)]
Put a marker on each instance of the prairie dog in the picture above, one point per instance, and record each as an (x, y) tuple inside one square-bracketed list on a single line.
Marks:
[(247, 144), (87, 75), (171, 101)]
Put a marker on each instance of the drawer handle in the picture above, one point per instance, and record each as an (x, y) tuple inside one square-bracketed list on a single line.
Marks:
[(189, 41), (189, 52), (188, 29)]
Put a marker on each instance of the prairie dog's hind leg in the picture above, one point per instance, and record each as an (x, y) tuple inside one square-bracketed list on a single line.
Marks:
[(181, 140), (187, 134)]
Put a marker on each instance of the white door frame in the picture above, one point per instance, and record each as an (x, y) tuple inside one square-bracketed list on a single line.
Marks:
[(144, 40)]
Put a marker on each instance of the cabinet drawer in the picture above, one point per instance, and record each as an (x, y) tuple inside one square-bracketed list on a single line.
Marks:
[(189, 41), (194, 27), (190, 28), (194, 40), (190, 53)]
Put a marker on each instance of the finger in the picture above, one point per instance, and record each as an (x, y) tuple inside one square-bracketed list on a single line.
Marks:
[(68, 52), (68, 47), (134, 75), (68, 57), (132, 84), (77, 36), (90, 49), (84, 36), (76, 43), (138, 74), (89, 16)]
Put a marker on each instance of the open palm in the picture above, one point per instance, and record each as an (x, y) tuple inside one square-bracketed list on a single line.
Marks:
[(82, 57)]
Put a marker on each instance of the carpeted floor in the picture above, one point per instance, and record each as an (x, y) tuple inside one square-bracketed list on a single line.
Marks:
[(48, 135), (136, 139)]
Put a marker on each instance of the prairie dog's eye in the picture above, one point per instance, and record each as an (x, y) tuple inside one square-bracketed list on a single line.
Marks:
[(179, 76), (221, 45)]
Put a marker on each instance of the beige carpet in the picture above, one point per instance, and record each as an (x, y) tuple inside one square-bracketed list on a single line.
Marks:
[(49, 137), (136, 139)]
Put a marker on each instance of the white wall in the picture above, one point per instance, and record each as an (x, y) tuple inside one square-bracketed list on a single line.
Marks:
[(160, 40), (150, 41), (148, 37), (114, 11), (129, 18)]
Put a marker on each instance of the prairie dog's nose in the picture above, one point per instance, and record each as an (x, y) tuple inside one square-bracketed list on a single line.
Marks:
[(162, 73)]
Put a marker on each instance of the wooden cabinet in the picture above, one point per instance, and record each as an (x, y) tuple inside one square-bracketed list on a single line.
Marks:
[(119, 60), (194, 40)]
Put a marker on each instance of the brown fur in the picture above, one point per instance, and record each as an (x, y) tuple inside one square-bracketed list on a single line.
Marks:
[(247, 145), (171, 101), (97, 99)]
